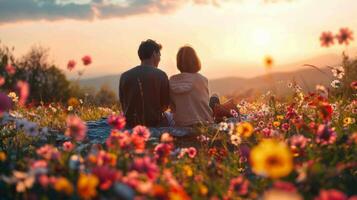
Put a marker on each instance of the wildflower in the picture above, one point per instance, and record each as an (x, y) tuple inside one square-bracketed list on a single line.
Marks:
[(268, 62), (2, 81), (166, 138), (10, 69), (68, 146), (331, 194), (271, 158), (70, 108), (336, 83), (235, 140), (344, 36), (191, 151), (147, 166), (31, 129), (63, 185), (76, 128), (71, 64), (276, 123), (267, 132), (87, 60), (338, 72), (105, 158), (5, 103), (239, 186), (2, 156), (141, 132), (86, 186), (297, 143), (117, 121), (354, 85), (326, 39), (24, 90), (162, 151), (348, 120), (73, 102), (325, 110), (223, 126), (13, 97), (187, 170), (325, 135), (48, 152), (106, 176), (245, 129), (24, 180)]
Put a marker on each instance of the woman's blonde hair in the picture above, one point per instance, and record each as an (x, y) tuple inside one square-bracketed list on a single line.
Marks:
[(187, 60)]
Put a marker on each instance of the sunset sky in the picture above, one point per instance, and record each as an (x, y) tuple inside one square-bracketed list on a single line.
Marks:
[(230, 36)]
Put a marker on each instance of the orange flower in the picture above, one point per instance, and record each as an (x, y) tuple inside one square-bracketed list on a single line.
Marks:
[(245, 129), (87, 185), (63, 185), (344, 36)]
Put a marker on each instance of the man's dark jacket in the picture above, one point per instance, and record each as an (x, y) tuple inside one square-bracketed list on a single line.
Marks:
[(144, 95)]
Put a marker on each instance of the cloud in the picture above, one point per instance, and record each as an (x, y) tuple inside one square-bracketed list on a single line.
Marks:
[(32, 10)]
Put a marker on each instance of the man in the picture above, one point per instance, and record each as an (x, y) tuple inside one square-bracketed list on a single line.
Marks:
[(144, 90)]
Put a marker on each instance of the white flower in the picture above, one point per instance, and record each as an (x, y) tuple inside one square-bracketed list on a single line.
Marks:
[(236, 140), (223, 126), (80, 101), (70, 108), (31, 129), (336, 83), (338, 72), (13, 97)]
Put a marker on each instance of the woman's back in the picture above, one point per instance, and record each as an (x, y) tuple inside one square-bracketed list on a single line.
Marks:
[(189, 95)]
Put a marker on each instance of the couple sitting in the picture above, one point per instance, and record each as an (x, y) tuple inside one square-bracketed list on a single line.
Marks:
[(146, 94)]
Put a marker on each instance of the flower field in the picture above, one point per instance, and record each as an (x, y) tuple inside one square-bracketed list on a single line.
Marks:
[(301, 147)]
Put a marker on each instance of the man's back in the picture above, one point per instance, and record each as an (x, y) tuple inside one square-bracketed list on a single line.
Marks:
[(144, 95)]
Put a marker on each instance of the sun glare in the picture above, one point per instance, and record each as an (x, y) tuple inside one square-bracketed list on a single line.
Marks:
[(261, 38)]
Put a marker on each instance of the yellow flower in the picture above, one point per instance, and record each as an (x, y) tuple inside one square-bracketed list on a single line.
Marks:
[(245, 129), (203, 190), (86, 186), (280, 117), (347, 121), (2, 156), (188, 170), (271, 158), (63, 185), (276, 124)]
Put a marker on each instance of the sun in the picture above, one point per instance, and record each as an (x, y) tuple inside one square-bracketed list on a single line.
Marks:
[(261, 38)]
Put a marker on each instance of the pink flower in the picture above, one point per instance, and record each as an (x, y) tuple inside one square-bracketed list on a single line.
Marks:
[(106, 175), (325, 135), (24, 90), (76, 128), (239, 185), (286, 186), (2, 81), (162, 151), (48, 152), (117, 121), (71, 64), (39, 164), (331, 194), (68, 146), (326, 39), (10, 69), (285, 127), (87, 60), (354, 85), (298, 141), (344, 36), (147, 166), (5, 103), (141, 132), (191, 152)]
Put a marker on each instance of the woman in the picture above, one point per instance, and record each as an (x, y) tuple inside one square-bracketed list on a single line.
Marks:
[(189, 91)]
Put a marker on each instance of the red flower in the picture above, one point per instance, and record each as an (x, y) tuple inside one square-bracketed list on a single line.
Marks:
[(147, 166), (191, 152), (344, 36), (87, 60), (117, 121), (325, 135), (326, 39), (239, 185), (10, 69), (141, 132), (331, 194), (106, 175), (286, 186), (76, 128), (354, 85), (2, 81), (68, 146), (326, 111), (71, 64)]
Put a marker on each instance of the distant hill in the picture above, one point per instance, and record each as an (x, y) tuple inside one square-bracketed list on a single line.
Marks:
[(306, 77)]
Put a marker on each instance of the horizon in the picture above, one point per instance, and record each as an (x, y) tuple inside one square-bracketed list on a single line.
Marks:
[(70, 31)]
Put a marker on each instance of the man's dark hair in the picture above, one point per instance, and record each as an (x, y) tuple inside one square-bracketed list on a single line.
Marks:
[(147, 48)]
